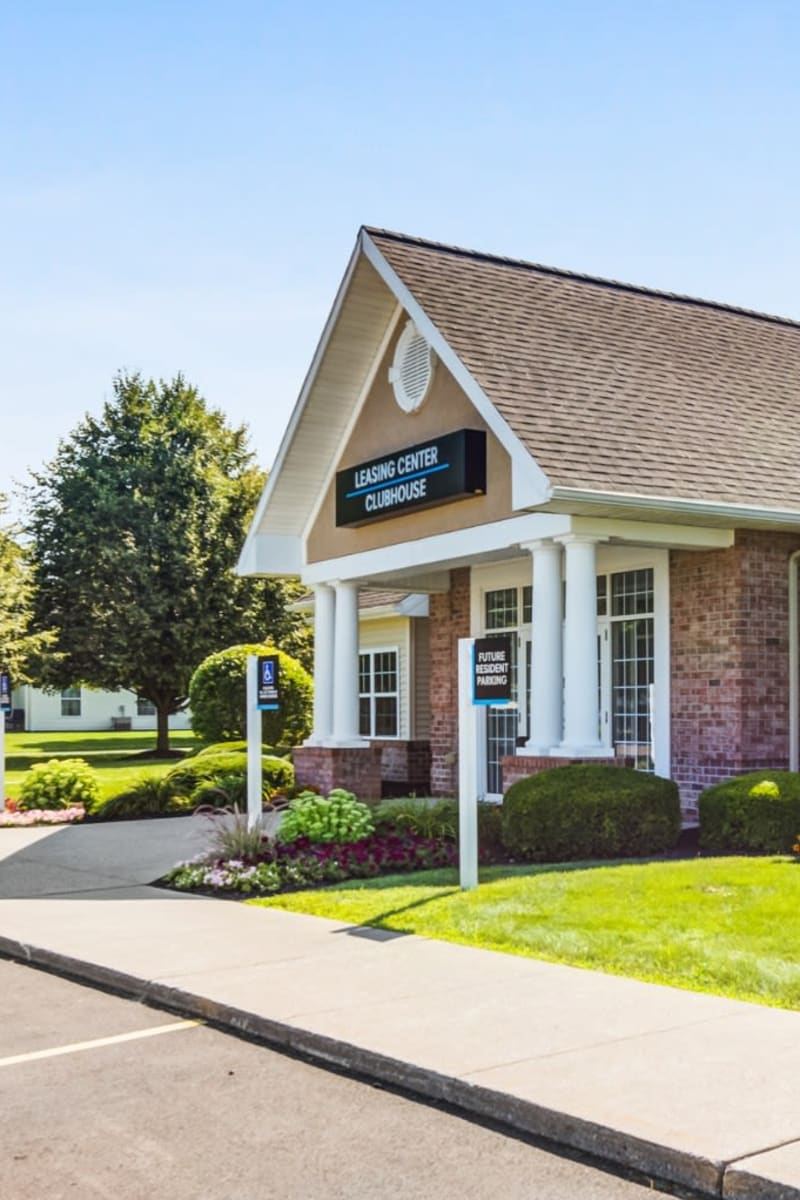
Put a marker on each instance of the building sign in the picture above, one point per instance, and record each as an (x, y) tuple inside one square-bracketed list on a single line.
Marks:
[(5, 694), (269, 696), (434, 472), (491, 670)]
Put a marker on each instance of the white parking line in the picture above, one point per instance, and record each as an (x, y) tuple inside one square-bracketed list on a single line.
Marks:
[(75, 1047)]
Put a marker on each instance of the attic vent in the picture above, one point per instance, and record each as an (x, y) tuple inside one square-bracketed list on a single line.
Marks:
[(412, 370)]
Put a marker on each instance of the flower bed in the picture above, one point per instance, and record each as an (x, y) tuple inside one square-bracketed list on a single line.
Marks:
[(12, 818), (288, 866)]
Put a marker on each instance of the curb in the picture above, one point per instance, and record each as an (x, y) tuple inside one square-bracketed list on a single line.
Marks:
[(701, 1175)]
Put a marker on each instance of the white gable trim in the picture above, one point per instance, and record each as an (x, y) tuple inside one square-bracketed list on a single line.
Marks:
[(356, 413), (530, 486), (248, 553)]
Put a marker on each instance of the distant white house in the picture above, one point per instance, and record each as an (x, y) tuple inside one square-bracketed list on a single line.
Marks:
[(83, 708)]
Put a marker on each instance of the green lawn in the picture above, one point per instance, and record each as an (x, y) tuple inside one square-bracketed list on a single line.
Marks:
[(730, 926), (119, 758)]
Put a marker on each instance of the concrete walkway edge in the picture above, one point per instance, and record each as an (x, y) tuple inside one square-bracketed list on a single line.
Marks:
[(706, 1177)]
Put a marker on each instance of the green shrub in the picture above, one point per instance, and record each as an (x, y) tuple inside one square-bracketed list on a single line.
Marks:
[(339, 818), (747, 814), (217, 698), (490, 829), (425, 818), (235, 747), (189, 774), (228, 790), (149, 797), (58, 783), (590, 811)]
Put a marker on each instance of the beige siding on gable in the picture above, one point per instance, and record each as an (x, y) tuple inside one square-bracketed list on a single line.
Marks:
[(392, 633), (383, 427)]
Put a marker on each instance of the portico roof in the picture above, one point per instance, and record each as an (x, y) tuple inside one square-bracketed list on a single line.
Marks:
[(611, 400)]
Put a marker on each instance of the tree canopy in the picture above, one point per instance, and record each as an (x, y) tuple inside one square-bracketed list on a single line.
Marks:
[(136, 527), (18, 641)]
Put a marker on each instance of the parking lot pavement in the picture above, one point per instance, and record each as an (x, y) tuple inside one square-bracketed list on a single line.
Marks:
[(104, 1097)]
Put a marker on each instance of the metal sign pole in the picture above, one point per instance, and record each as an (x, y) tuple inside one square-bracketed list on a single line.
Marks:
[(254, 804), (467, 769)]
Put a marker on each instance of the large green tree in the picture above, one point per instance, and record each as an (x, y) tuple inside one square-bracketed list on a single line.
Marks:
[(19, 641), (136, 527)]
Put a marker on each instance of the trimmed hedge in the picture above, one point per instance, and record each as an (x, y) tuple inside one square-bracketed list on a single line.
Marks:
[(587, 811), (744, 815), (277, 773), (237, 747)]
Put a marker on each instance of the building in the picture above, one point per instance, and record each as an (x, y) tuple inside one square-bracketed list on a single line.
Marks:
[(606, 472), (81, 708)]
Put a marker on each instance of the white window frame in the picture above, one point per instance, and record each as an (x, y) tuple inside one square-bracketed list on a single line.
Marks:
[(372, 695), (145, 708), (70, 696)]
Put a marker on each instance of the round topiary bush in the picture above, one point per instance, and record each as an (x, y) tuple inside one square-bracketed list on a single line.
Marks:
[(217, 698), (58, 783), (755, 813), (588, 811)]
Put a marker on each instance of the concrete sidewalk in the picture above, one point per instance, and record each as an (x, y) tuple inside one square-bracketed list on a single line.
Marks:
[(695, 1089)]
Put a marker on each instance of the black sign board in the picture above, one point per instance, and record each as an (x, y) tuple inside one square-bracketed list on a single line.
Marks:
[(5, 692), (269, 695), (491, 670), (433, 472)]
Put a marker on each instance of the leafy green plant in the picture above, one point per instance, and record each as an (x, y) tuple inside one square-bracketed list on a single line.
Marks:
[(151, 796), (337, 818), (58, 783), (758, 812), (425, 818), (217, 698), (228, 790), (590, 811)]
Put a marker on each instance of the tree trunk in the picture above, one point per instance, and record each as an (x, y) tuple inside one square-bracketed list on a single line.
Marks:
[(162, 736)]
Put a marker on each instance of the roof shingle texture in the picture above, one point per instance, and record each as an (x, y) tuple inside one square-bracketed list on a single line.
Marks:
[(618, 389)]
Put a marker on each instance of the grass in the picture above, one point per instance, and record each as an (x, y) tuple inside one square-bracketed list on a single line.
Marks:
[(120, 759), (723, 925)]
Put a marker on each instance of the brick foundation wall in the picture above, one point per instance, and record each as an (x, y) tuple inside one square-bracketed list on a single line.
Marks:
[(729, 647), (449, 621), (358, 769), (405, 767)]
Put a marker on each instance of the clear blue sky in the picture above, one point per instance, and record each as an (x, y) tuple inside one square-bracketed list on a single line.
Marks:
[(181, 183)]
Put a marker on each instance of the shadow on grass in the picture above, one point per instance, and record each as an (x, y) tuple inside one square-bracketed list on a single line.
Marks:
[(375, 930)]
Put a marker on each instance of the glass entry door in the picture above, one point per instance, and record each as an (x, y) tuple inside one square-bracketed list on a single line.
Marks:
[(508, 610)]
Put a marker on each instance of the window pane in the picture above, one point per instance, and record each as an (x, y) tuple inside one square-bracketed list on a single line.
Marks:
[(632, 593), (632, 661), (501, 609), (363, 672), (602, 595), (71, 702), (144, 708), (363, 717), (386, 716), (527, 605)]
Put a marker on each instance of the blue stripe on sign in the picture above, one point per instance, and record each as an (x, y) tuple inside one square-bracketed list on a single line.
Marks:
[(377, 487)]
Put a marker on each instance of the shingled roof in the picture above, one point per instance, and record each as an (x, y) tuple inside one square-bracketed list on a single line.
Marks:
[(615, 388)]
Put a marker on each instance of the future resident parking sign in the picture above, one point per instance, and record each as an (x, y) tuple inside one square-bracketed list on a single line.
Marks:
[(269, 695), (491, 670)]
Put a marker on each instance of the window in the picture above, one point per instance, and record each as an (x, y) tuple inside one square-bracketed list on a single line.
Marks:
[(71, 702), (145, 708), (632, 665), (378, 714)]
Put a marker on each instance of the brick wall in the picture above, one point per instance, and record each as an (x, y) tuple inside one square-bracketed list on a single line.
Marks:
[(449, 621), (405, 767), (729, 652), (520, 766), (321, 768)]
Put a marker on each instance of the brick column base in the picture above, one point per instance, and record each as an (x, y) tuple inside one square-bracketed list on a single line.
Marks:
[(322, 768)]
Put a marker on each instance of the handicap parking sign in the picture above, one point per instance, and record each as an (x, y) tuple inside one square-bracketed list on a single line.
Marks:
[(268, 699)]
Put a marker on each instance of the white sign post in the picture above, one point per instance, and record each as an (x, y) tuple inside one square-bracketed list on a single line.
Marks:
[(254, 768), (467, 769)]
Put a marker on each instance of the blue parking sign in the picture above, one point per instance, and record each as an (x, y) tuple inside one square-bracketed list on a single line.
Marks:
[(268, 699)]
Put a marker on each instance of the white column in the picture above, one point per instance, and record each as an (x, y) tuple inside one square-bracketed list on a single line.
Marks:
[(581, 706), (345, 667), (546, 679), (324, 635)]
